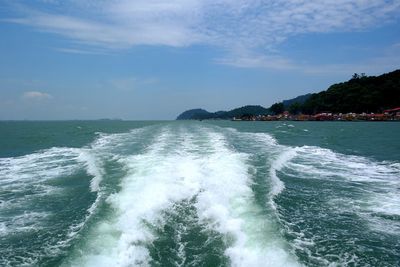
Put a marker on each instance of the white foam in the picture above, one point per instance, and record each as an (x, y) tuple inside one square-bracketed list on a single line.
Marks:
[(3, 228), (93, 167), (93, 157), (278, 156), (386, 202), (228, 200), (378, 183), (320, 163), (216, 176), (26, 178), (150, 187), (38, 166), (33, 171), (277, 185), (261, 140)]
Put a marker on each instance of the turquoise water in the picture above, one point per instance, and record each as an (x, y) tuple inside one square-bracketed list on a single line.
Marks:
[(218, 193)]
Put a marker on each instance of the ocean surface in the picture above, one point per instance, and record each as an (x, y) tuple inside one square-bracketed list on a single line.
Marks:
[(211, 193)]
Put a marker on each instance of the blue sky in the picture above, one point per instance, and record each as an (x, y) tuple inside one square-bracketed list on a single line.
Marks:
[(152, 59)]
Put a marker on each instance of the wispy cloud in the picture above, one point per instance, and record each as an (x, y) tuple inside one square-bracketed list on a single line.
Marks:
[(248, 30), (246, 59), (82, 51), (35, 95)]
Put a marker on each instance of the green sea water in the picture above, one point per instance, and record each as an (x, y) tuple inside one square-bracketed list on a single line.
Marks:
[(211, 193)]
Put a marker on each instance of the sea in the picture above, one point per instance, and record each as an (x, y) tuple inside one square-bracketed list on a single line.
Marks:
[(199, 193)]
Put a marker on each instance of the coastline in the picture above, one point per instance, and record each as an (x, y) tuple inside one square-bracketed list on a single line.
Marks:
[(323, 117)]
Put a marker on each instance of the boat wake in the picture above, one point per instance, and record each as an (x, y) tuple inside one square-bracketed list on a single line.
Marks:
[(198, 177), (189, 195)]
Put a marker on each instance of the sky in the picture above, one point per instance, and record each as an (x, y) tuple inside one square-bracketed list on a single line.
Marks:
[(153, 59)]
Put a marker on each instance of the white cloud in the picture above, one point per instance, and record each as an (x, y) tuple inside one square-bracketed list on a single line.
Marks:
[(35, 95), (247, 59), (249, 30), (388, 60), (81, 51)]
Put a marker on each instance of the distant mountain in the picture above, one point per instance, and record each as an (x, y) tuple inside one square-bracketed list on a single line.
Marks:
[(195, 114), (300, 99), (201, 114), (247, 111)]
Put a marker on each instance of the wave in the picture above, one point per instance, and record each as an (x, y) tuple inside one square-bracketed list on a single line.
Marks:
[(311, 162), (28, 182), (106, 148), (200, 181), (334, 187), (379, 181), (165, 174), (276, 157), (25, 179), (93, 167), (37, 167), (277, 185), (362, 189)]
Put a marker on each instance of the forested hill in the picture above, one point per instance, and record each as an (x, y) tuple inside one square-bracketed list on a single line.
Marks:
[(195, 114), (359, 94), (201, 114)]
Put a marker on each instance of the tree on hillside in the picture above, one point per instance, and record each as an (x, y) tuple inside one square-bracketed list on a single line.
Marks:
[(360, 94), (277, 108), (295, 108)]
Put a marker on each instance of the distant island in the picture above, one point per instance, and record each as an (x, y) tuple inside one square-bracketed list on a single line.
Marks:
[(360, 98), (201, 114)]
